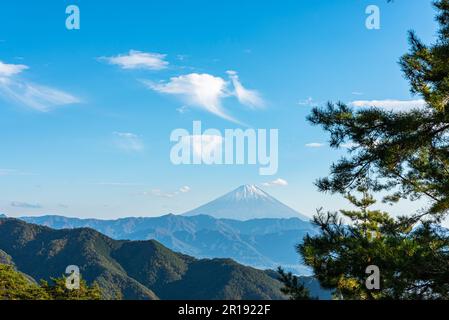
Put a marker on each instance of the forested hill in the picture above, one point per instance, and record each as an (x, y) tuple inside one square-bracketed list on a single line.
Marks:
[(129, 269)]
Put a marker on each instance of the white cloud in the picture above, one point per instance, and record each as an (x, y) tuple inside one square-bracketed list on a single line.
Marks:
[(278, 182), (25, 205), (159, 193), (314, 145), (38, 97), (185, 189), (8, 172), (128, 141), (250, 98), (348, 145), (309, 102), (181, 57), (119, 184), (163, 194), (139, 60), (357, 93), (8, 70), (201, 90), (182, 109), (14, 172), (207, 92), (389, 104)]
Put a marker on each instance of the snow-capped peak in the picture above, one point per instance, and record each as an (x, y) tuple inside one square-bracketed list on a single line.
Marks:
[(248, 191), (245, 203)]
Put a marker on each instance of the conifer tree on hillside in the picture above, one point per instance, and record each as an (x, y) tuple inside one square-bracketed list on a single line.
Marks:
[(293, 287), (57, 290), (402, 155), (17, 286)]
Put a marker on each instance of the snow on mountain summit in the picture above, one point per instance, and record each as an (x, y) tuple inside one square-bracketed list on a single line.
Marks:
[(248, 191), (245, 203)]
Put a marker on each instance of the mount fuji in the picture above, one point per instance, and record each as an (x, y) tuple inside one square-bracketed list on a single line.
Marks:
[(247, 225), (245, 203)]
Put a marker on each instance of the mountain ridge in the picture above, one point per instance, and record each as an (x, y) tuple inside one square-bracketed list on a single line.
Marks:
[(129, 269), (260, 243), (247, 202)]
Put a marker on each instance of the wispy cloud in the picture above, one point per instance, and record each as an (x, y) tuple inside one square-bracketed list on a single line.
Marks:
[(357, 93), (8, 70), (250, 98), (13, 172), (35, 96), (207, 92), (390, 104), (315, 145), (159, 193), (118, 184), (8, 172), (128, 141), (163, 194), (25, 205), (182, 109), (309, 102), (200, 90), (278, 182), (182, 57), (139, 60), (184, 189)]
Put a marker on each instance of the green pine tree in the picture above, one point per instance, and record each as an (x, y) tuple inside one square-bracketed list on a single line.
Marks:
[(57, 290), (402, 155), (412, 261), (293, 288), (17, 286)]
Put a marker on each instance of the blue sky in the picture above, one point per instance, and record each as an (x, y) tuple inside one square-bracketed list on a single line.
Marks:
[(86, 115)]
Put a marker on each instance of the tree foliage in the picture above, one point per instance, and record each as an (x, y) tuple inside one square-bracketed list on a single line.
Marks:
[(413, 262), (17, 286), (401, 155), (406, 153), (57, 290), (293, 288)]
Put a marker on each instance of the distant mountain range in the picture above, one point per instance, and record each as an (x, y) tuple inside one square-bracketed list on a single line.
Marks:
[(129, 269), (245, 203), (261, 243), (218, 229), (246, 225)]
